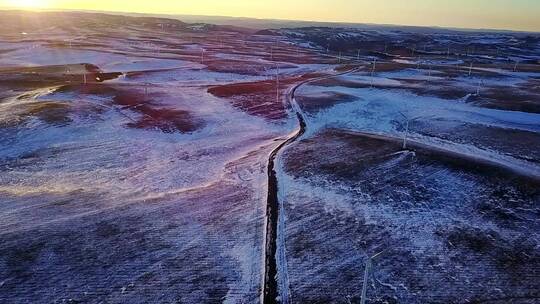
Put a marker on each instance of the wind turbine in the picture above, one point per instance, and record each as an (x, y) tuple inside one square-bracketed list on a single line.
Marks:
[(478, 87), (366, 276), (277, 84), (202, 55), (266, 74), (373, 71), (406, 134), (407, 125), (406, 131)]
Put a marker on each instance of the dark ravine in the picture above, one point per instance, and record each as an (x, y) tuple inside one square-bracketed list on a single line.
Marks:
[(270, 278), (270, 285)]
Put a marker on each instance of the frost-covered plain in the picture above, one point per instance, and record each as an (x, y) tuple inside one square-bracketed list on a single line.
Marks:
[(122, 179), (431, 164), (448, 229)]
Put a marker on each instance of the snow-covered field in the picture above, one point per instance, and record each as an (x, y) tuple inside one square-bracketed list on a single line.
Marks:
[(140, 188), (448, 230), (454, 214)]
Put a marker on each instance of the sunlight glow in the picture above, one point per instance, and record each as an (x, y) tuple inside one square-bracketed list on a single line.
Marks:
[(28, 3), (497, 14)]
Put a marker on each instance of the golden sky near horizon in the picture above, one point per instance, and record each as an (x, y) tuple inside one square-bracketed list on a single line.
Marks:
[(499, 14)]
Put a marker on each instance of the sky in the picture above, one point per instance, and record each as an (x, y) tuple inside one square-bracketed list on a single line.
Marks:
[(485, 14)]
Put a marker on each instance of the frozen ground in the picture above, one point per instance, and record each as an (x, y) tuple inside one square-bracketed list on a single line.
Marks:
[(382, 104), (454, 214), (450, 231), (122, 179)]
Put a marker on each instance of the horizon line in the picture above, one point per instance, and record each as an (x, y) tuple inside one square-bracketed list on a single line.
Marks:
[(117, 12)]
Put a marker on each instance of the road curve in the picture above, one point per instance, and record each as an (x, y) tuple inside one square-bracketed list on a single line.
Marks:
[(270, 292)]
